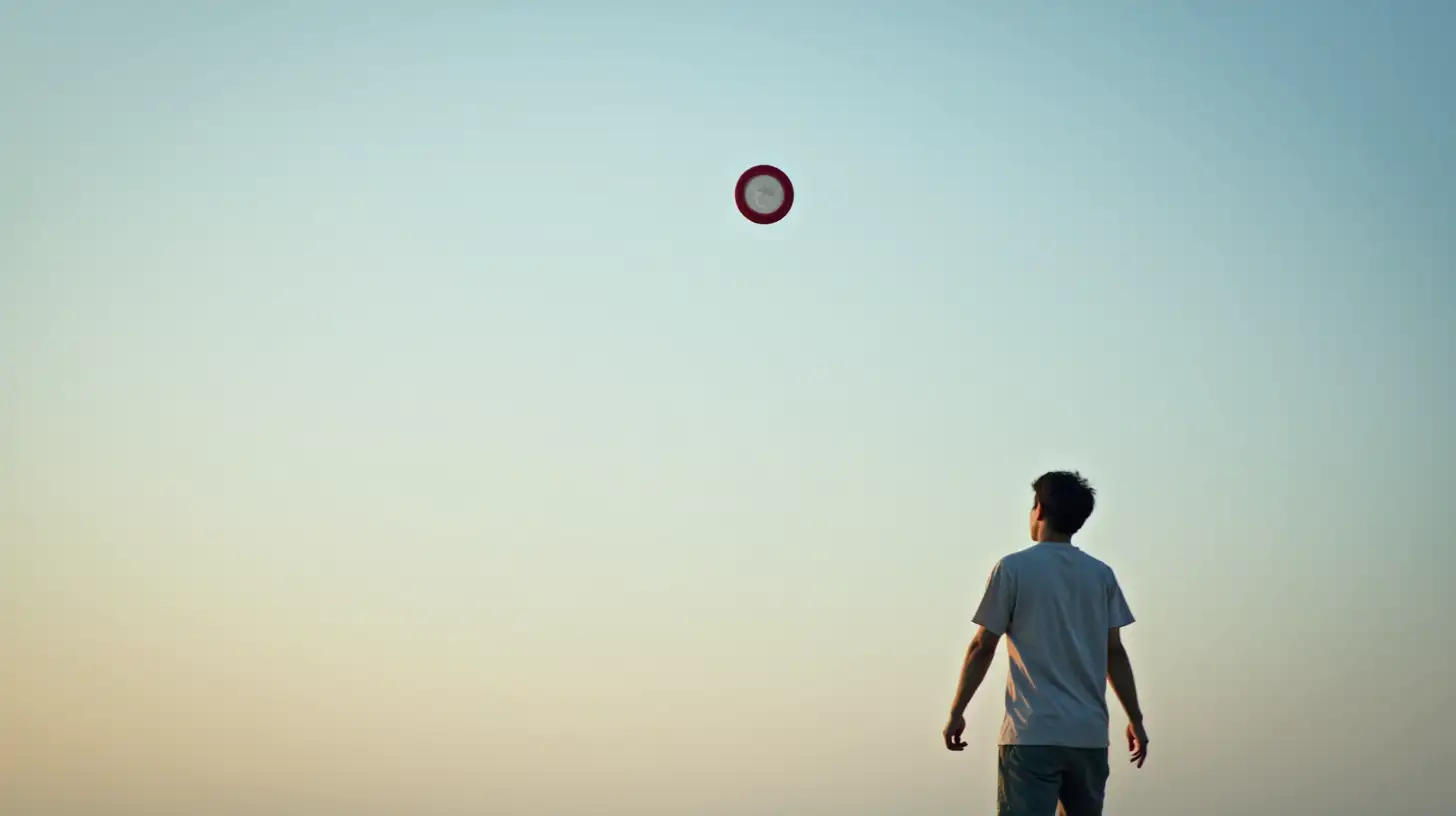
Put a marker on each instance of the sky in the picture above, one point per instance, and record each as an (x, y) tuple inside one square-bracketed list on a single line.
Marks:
[(397, 416)]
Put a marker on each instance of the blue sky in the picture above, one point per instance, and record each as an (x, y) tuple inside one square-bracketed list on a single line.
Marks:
[(397, 411)]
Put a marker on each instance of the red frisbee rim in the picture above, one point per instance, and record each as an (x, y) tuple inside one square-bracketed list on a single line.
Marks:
[(741, 199)]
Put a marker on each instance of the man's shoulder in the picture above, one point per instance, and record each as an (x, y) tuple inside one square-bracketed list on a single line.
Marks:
[(1011, 561), (1094, 561), (1097, 566), (1027, 558), (1036, 555)]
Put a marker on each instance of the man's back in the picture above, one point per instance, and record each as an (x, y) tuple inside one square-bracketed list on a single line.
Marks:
[(1055, 605)]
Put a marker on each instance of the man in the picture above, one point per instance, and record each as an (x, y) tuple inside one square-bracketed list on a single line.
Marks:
[(1062, 612)]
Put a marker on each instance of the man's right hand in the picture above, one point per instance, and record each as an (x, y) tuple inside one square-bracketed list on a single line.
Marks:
[(1137, 743)]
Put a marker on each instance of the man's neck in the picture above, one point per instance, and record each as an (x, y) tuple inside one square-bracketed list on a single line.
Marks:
[(1053, 538)]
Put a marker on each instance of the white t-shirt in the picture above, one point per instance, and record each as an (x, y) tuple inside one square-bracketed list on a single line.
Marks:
[(1055, 605)]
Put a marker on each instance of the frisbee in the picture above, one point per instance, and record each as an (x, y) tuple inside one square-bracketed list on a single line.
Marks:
[(764, 194)]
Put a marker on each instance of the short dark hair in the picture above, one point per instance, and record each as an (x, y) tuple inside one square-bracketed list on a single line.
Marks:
[(1065, 499)]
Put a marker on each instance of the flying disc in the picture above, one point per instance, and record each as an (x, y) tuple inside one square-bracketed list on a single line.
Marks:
[(764, 194)]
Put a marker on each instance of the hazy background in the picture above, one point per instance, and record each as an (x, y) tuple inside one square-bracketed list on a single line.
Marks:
[(397, 417)]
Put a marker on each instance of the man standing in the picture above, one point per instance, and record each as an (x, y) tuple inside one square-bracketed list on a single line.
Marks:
[(1061, 611)]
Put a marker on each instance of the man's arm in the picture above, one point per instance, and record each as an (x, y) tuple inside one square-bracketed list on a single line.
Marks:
[(978, 660), (994, 617), (1119, 675)]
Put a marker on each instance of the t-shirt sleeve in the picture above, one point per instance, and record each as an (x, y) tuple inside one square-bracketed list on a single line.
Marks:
[(1118, 614), (998, 602)]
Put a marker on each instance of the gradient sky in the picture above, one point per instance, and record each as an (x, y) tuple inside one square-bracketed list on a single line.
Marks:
[(396, 416)]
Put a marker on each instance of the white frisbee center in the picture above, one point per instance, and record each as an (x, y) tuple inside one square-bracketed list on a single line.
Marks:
[(763, 194)]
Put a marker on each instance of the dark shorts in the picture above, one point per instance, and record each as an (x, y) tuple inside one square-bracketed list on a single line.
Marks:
[(1034, 779)]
